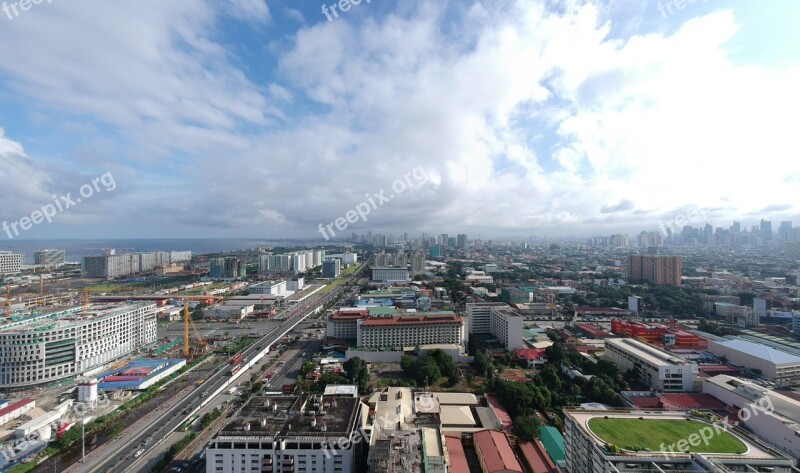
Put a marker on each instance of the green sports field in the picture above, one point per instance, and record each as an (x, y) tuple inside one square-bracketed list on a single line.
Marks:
[(651, 434)]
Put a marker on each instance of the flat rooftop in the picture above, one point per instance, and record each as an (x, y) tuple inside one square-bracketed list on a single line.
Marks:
[(646, 352), (70, 316), (273, 417)]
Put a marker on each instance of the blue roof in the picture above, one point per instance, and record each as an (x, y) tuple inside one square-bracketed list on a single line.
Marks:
[(760, 351)]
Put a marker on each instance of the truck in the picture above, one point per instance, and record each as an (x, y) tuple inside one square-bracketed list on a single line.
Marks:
[(236, 359)]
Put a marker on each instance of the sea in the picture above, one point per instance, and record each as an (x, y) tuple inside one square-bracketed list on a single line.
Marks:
[(77, 249)]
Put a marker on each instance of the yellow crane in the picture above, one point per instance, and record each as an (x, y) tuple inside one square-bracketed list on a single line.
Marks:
[(187, 321)]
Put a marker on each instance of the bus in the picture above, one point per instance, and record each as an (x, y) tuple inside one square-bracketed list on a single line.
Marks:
[(189, 423)]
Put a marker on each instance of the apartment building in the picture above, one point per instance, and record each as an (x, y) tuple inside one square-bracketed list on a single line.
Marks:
[(498, 320), (10, 263), (111, 266), (655, 269), (50, 347), (657, 368), (298, 434), (410, 330)]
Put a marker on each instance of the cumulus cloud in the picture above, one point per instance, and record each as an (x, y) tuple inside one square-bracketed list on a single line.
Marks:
[(527, 116)]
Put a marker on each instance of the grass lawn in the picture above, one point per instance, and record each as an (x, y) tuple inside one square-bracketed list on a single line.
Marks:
[(650, 434)]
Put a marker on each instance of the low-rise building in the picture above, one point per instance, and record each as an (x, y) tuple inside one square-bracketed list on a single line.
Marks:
[(12, 411), (657, 368), (769, 414), (778, 366)]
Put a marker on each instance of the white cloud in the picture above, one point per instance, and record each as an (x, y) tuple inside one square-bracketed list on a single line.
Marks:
[(532, 120)]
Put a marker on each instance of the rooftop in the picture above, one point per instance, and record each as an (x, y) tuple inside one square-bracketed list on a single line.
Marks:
[(299, 417), (761, 351), (496, 452), (646, 352), (414, 320)]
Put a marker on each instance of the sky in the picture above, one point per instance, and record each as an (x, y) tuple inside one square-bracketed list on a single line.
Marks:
[(263, 119)]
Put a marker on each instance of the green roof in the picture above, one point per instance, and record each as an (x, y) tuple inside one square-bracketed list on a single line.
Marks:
[(553, 442), (382, 311)]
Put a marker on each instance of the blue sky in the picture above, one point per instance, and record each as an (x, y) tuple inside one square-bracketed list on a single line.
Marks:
[(246, 118)]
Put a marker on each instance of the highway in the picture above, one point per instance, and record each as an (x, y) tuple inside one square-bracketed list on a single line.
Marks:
[(117, 456)]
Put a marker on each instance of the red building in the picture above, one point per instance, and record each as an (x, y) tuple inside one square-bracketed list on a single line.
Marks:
[(657, 334)]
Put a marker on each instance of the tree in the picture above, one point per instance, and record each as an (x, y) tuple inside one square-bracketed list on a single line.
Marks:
[(556, 353), (550, 377), (357, 371), (307, 368), (526, 428), (607, 367), (426, 370)]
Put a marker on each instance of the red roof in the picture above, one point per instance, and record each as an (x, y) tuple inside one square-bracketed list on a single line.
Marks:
[(458, 459), (646, 401), (15, 406), (350, 314), (536, 456), (499, 411), (496, 451), (530, 353), (691, 401), (413, 320)]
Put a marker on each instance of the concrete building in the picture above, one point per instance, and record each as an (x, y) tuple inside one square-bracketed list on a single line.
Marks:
[(343, 324), (301, 434), (180, 256), (498, 320), (657, 368), (734, 314), (295, 284), (12, 411), (71, 342), (769, 414), (298, 262), (588, 452), (655, 269), (780, 367), (232, 313), (10, 263), (275, 288), (389, 332), (279, 263), (50, 258), (389, 275), (331, 268), (417, 263)]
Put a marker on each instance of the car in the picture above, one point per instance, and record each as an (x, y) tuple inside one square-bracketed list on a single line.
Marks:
[(139, 453)]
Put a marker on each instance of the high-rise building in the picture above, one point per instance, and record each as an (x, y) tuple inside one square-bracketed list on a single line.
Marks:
[(665, 270), (66, 344), (331, 268), (497, 319), (462, 241), (785, 230), (766, 230), (50, 258), (216, 267), (418, 263), (10, 263)]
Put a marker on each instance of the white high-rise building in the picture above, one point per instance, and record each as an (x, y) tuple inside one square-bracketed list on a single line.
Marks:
[(299, 262), (10, 263), (54, 346), (496, 319)]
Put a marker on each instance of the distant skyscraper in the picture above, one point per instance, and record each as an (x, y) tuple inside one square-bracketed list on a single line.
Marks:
[(766, 230), (462, 241), (417, 263), (785, 231), (736, 227)]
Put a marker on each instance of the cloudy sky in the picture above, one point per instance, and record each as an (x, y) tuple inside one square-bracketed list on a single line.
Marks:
[(253, 118)]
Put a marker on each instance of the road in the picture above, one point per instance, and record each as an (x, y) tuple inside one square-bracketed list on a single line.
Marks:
[(117, 456)]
